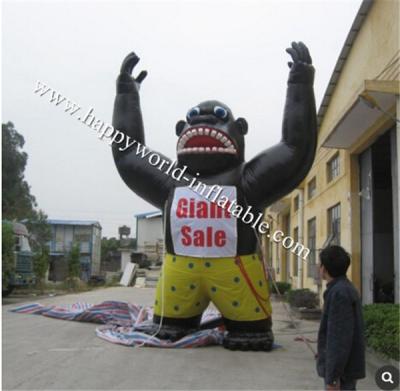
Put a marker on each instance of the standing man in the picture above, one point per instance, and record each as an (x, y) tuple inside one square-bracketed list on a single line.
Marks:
[(341, 351)]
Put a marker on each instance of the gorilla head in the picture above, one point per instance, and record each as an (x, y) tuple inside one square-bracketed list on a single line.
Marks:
[(210, 140)]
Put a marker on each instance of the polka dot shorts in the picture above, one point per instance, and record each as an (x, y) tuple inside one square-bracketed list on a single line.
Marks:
[(189, 284)]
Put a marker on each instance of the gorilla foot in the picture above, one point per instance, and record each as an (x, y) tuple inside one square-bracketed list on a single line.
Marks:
[(249, 341), (172, 333)]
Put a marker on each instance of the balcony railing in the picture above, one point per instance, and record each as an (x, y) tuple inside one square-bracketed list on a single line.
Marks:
[(64, 247)]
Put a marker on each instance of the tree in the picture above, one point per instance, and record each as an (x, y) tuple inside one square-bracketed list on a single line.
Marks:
[(108, 246), (39, 235), (7, 253), (18, 202), (39, 230), (74, 262), (40, 266)]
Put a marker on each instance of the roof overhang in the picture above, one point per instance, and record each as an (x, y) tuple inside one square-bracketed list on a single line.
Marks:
[(149, 215), (363, 113)]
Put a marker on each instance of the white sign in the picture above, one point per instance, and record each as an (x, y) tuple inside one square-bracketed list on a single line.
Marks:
[(129, 272), (203, 228)]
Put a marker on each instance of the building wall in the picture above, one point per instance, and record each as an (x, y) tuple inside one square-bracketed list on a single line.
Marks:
[(96, 250), (327, 195), (375, 46), (149, 231), (89, 237)]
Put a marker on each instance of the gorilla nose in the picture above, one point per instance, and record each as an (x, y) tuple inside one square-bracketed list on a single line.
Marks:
[(206, 118)]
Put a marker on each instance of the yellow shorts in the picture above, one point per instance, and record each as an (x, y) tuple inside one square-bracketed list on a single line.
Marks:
[(188, 284)]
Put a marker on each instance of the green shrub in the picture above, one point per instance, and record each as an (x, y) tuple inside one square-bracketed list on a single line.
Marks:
[(40, 266), (74, 263), (382, 328), (302, 298), (282, 286), (7, 252)]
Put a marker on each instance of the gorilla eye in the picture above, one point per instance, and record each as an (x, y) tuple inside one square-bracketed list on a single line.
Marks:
[(220, 112), (193, 112)]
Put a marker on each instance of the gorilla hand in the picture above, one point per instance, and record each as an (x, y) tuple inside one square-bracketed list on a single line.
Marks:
[(126, 82), (301, 69)]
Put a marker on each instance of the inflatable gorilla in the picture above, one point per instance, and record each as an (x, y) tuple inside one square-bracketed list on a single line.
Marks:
[(210, 253)]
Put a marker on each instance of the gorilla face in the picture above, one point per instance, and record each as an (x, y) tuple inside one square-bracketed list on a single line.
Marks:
[(210, 140)]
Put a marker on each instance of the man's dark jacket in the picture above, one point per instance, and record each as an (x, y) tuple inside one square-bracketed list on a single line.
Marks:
[(341, 351)]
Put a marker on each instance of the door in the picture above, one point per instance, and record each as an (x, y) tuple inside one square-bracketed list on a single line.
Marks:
[(366, 227)]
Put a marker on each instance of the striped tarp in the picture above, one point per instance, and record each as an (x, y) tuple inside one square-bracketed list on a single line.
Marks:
[(126, 323)]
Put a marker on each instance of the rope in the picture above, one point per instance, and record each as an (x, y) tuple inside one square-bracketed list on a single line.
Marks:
[(238, 262)]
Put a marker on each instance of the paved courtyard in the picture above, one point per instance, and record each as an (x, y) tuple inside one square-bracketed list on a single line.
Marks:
[(42, 353)]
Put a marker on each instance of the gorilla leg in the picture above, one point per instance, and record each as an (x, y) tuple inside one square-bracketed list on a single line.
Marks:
[(249, 335), (239, 290), (180, 300)]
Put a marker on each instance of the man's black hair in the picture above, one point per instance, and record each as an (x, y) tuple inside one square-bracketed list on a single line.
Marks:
[(336, 260)]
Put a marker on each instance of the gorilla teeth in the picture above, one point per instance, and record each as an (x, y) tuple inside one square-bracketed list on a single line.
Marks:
[(196, 150), (228, 146)]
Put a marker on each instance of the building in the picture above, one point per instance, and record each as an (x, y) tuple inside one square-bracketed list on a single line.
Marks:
[(150, 235), (351, 194), (64, 234)]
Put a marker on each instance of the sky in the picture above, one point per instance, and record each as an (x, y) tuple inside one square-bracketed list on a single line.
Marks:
[(232, 51)]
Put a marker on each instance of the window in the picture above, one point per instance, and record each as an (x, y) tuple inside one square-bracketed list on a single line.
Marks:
[(295, 267), (312, 188), (311, 244), (333, 168), (17, 243), (334, 224), (82, 234), (296, 203)]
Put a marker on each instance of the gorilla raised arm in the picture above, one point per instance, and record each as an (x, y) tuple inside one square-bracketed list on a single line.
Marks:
[(278, 170), (145, 180)]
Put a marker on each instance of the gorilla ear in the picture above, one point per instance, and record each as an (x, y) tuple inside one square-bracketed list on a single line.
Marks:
[(179, 127), (242, 125)]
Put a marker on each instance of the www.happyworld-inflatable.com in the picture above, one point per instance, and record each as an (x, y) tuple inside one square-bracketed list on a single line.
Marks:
[(221, 206)]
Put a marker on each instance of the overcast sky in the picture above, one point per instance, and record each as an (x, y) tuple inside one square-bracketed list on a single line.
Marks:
[(232, 51)]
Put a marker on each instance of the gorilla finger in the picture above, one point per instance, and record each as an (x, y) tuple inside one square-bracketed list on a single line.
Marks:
[(299, 51), (293, 53), (308, 58), (142, 75), (129, 63), (290, 64)]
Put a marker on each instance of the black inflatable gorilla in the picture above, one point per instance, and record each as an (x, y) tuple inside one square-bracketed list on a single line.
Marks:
[(211, 255)]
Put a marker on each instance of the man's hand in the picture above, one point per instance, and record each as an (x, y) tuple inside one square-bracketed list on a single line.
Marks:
[(126, 82), (332, 387), (301, 69)]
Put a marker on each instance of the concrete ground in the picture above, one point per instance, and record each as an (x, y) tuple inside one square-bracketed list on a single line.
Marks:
[(48, 354)]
